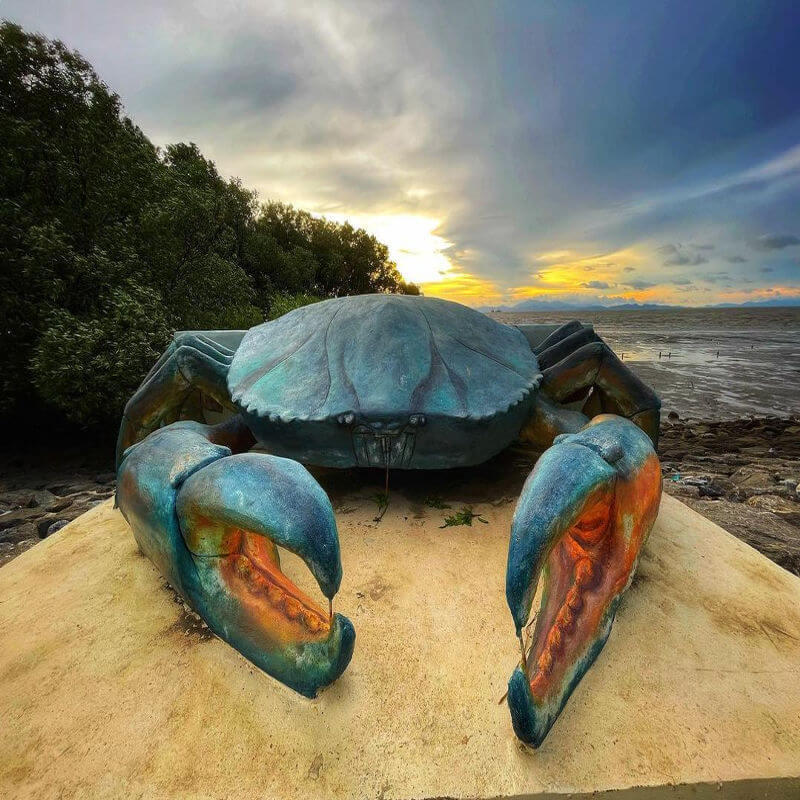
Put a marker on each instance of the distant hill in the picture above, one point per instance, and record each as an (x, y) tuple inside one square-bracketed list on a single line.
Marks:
[(562, 305), (777, 302)]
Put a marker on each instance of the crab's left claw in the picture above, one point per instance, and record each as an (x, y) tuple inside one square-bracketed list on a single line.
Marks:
[(213, 523), (583, 516)]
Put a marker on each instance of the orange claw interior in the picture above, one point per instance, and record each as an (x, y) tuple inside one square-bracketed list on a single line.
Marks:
[(588, 566), (251, 569)]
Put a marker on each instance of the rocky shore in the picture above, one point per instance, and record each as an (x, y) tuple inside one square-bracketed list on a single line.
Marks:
[(742, 474), (42, 488)]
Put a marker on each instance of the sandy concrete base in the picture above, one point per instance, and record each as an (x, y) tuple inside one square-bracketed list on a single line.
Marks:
[(108, 688)]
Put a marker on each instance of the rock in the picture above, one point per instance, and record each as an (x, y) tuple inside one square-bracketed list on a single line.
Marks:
[(773, 503), (18, 516), (41, 499), (47, 526), (18, 534), (695, 480), (105, 477), (673, 416), (56, 526), (750, 477), (62, 489), (711, 490)]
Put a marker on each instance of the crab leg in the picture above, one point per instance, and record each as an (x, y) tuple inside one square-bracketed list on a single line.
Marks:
[(594, 365), (191, 363), (582, 518), (212, 522)]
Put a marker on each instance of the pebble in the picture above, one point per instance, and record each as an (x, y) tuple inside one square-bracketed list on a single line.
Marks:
[(56, 526)]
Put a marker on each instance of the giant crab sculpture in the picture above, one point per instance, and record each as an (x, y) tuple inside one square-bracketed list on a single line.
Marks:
[(393, 382)]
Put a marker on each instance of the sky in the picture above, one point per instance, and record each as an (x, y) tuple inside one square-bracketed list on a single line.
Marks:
[(642, 151)]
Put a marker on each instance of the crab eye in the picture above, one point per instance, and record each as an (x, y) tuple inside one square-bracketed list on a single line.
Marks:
[(346, 419), (417, 420)]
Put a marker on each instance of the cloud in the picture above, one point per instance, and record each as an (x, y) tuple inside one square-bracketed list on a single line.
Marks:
[(679, 256), (766, 270), (383, 112), (596, 285), (716, 277), (774, 241), (639, 284), (736, 259)]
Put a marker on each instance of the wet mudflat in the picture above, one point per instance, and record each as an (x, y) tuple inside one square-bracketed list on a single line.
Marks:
[(705, 364)]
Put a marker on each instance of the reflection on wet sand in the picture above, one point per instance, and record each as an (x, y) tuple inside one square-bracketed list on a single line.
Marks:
[(713, 364)]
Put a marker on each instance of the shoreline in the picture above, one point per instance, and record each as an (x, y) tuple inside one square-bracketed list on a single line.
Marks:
[(743, 474)]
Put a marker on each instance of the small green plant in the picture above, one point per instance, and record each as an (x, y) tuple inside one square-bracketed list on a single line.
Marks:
[(434, 501), (381, 500), (463, 517)]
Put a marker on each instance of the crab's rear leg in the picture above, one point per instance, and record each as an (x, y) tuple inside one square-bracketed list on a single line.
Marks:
[(212, 522), (615, 388), (574, 359), (193, 362)]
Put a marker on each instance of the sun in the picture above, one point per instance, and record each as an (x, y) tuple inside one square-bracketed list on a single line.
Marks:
[(419, 252)]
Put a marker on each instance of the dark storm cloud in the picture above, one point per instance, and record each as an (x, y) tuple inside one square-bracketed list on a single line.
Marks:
[(679, 255), (523, 128), (774, 241), (596, 285), (639, 284)]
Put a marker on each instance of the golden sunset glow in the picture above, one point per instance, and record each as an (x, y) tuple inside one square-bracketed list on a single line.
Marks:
[(419, 252), (464, 288)]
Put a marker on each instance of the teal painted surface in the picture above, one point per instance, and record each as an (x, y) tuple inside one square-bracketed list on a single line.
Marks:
[(384, 380), (176, 472), (611, 449)]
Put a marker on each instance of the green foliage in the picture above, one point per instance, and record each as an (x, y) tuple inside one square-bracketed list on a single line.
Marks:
[(105, 351), (281, 304), (462, 517), (433, 501), (381, 499), (108, 244)]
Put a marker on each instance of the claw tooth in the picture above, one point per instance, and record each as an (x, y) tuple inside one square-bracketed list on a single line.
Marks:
[(555, 639), (545, 661), (585, 572), (311, 621), (274, 594), (242, 567), (566, 618), (293, 608), (574, 599)]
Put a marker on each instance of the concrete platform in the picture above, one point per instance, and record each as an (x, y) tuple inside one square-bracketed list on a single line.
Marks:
[(108, 688)]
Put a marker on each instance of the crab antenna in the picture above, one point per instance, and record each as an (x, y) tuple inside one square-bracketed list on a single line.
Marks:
[(386, 481), (330, 610), (522, 650)]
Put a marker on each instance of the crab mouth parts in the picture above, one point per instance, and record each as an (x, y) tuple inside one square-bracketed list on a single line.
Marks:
[(268, 597), (579, 580)]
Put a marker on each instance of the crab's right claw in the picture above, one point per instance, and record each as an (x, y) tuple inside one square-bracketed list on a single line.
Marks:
[(583, 516), (213, 523)]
